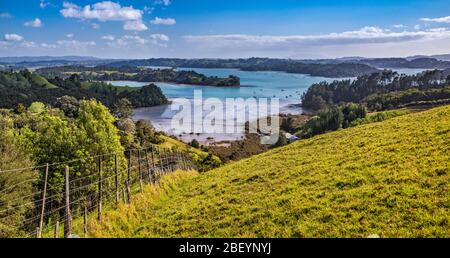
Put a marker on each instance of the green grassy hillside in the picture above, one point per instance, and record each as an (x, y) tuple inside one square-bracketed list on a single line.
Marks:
[(41, 81), (389, 178)]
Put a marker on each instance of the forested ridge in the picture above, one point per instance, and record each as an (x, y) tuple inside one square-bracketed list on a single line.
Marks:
[(25, 87), (134, 73), (381, 90), (314, 68)]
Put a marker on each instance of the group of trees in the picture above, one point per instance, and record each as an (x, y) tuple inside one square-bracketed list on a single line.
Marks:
[(379, 90), (332, 119), (42, 135), (26, 87), (133, 73)]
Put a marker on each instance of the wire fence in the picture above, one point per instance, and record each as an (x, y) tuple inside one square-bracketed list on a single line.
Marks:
[(46, 199)]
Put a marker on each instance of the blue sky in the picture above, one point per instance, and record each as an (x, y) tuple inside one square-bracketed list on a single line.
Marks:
[(224, 28)]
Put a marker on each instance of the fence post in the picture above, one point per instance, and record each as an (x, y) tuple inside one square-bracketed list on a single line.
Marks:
[(37, 232), (56, 233), (116, 172), (100, 189), (147, 162), (153, 176), (139, 170), (128, 192), (128, 181), (124, 195), (68, 216), (41, 221), (85, 221), (161, 160)]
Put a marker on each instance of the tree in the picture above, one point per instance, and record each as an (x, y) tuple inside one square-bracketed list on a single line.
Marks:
[(145, 134), (53, 139), (127, 130), (282, 141), (37, 107), (21, 108), (208, 163), (194, 143), (97, 124), (122, 109), (16, 187), (351, 112), (69, 105)]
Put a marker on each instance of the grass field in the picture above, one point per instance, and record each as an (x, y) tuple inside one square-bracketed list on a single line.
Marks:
[(389, 178)]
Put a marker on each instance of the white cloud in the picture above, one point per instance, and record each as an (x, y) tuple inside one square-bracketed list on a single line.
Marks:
[(137, 41), (137, 25), (44, 4), (70, 35), (95, 26), (106, 11), (148, 9), (438, 29), (75, 44), (28, 44), (162, 21), (46, 45), (102, 11), (36, 23), (398, 26), (159, 37), (13, 37), (417, 27), (437, 20), (109, 37), (163, 2), (126, 41), (366, 35), (5, 15)]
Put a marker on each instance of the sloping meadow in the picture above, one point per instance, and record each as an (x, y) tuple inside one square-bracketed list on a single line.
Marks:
[(389, 178)]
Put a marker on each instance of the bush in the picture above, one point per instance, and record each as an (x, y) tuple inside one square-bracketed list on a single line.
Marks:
[(16, 188), (194, 143)]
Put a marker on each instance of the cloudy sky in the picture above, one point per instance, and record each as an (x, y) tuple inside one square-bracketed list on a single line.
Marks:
[(224, 28)]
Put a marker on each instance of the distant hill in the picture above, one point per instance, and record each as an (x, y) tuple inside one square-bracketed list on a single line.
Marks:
[(18, 63), (388, 178), (340, 67), (438, 57), (418, 63), (323, 68), (20, 59)]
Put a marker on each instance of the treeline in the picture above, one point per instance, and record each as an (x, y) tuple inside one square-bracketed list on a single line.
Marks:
[(25, 87), (381, 90), (314, 67), (133, 73), (332, 119), (337, 117)]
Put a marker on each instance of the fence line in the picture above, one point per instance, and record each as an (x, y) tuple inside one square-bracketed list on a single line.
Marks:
[(81, 187)]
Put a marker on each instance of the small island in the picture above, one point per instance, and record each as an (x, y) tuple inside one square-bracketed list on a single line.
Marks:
[(139, 74)]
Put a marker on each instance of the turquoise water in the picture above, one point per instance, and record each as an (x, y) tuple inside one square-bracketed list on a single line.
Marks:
[(261, 84), (287, 87), (284, 86)]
